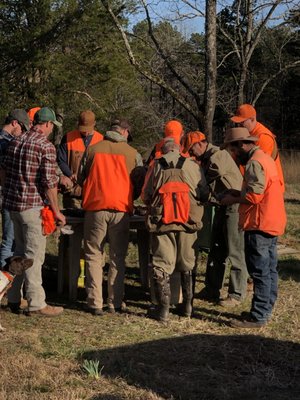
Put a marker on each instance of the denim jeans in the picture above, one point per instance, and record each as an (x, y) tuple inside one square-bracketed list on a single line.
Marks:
[(261, 259), (6, 249)]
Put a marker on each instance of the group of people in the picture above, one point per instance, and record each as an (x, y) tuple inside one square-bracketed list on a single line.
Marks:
[(103, 174)]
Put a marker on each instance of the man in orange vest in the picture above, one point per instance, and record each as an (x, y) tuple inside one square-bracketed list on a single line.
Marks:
[(108, 192), (260, 199), (246, 117), (172, 191), (69, 155)]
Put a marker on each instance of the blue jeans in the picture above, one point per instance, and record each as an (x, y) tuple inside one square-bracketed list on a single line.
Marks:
[(261, 259), (7, 245)]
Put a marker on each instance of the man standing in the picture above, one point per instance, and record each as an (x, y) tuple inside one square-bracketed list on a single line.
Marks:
[(69, 155), (260, 199), (107, 198), (172, 129), (16, 123), (30, 179), (227, 242), (172, 191), (246, 117)]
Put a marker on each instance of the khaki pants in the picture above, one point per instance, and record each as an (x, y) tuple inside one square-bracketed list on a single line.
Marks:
[(174, 250), (97, 226), (30, 243)]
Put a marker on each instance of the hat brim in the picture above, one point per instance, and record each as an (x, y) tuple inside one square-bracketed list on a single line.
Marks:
[(59, 124), (241, 139), (86, 128), (238, 119)]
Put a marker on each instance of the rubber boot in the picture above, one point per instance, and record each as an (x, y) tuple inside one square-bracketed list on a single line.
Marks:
[(187, 293), (161, 282)]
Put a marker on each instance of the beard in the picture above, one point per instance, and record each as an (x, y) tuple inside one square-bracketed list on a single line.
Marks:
[(243, 157)]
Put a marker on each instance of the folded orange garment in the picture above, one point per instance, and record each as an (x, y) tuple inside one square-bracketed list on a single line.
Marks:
[(48, 221)]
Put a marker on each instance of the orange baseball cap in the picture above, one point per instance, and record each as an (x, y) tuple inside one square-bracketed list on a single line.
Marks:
[(191, 138), (31, 113), (173, 129), (245, 111)]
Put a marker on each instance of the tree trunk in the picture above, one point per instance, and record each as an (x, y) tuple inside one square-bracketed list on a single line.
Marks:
[(210, 68)]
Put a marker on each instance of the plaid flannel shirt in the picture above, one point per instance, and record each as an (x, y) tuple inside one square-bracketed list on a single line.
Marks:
[(30, 169)]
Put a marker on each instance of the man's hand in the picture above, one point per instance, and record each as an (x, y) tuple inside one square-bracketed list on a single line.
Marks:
[(66, 182), (60, 218)]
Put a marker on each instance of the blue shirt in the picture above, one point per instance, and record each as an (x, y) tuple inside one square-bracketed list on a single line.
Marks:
[(5, 139)]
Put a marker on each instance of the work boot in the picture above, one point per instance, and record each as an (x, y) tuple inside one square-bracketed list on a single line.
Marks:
[(187, 293), (161, 282), (48, 311)]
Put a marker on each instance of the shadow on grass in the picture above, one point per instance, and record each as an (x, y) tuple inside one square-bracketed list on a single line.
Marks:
[(208, 367), (292, 201), (289, 269)]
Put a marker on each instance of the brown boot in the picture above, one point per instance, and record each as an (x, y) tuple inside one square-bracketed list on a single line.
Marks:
[(48, 311)]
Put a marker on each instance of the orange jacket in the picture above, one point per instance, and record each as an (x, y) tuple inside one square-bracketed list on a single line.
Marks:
[(76, 148), (267, 142), (107, 185), (266, 212)]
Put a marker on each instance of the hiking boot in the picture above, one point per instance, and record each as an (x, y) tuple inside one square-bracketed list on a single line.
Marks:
[(229, 302), (245, 315), (48, 311), (247, 323), (187, 293), (161, 282)]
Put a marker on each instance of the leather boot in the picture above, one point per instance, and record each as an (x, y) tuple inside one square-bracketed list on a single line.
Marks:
[(161, 282), (187, 293)]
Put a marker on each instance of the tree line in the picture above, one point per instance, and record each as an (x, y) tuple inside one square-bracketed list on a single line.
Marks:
[(78, 54)]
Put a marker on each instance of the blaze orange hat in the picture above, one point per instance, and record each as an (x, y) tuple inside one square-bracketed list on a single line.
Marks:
[(31, 113), (191, 138), (86, 121), (173, 129), (244, 112)]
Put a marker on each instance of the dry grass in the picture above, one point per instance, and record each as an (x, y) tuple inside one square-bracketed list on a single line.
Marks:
[(201, 358), (291, 166)]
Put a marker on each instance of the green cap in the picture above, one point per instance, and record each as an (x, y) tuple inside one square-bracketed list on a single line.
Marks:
[(46, 114), (20, 116)]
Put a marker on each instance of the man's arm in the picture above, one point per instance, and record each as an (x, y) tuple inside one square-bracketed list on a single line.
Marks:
[(62, 157), (253, 191)]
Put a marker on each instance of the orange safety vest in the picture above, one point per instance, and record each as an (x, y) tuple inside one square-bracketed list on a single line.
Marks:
[(267, 143), (76, 148), (108, 185), (266, 212)]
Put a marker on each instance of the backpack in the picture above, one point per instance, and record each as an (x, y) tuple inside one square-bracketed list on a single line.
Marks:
[(174, 193)]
